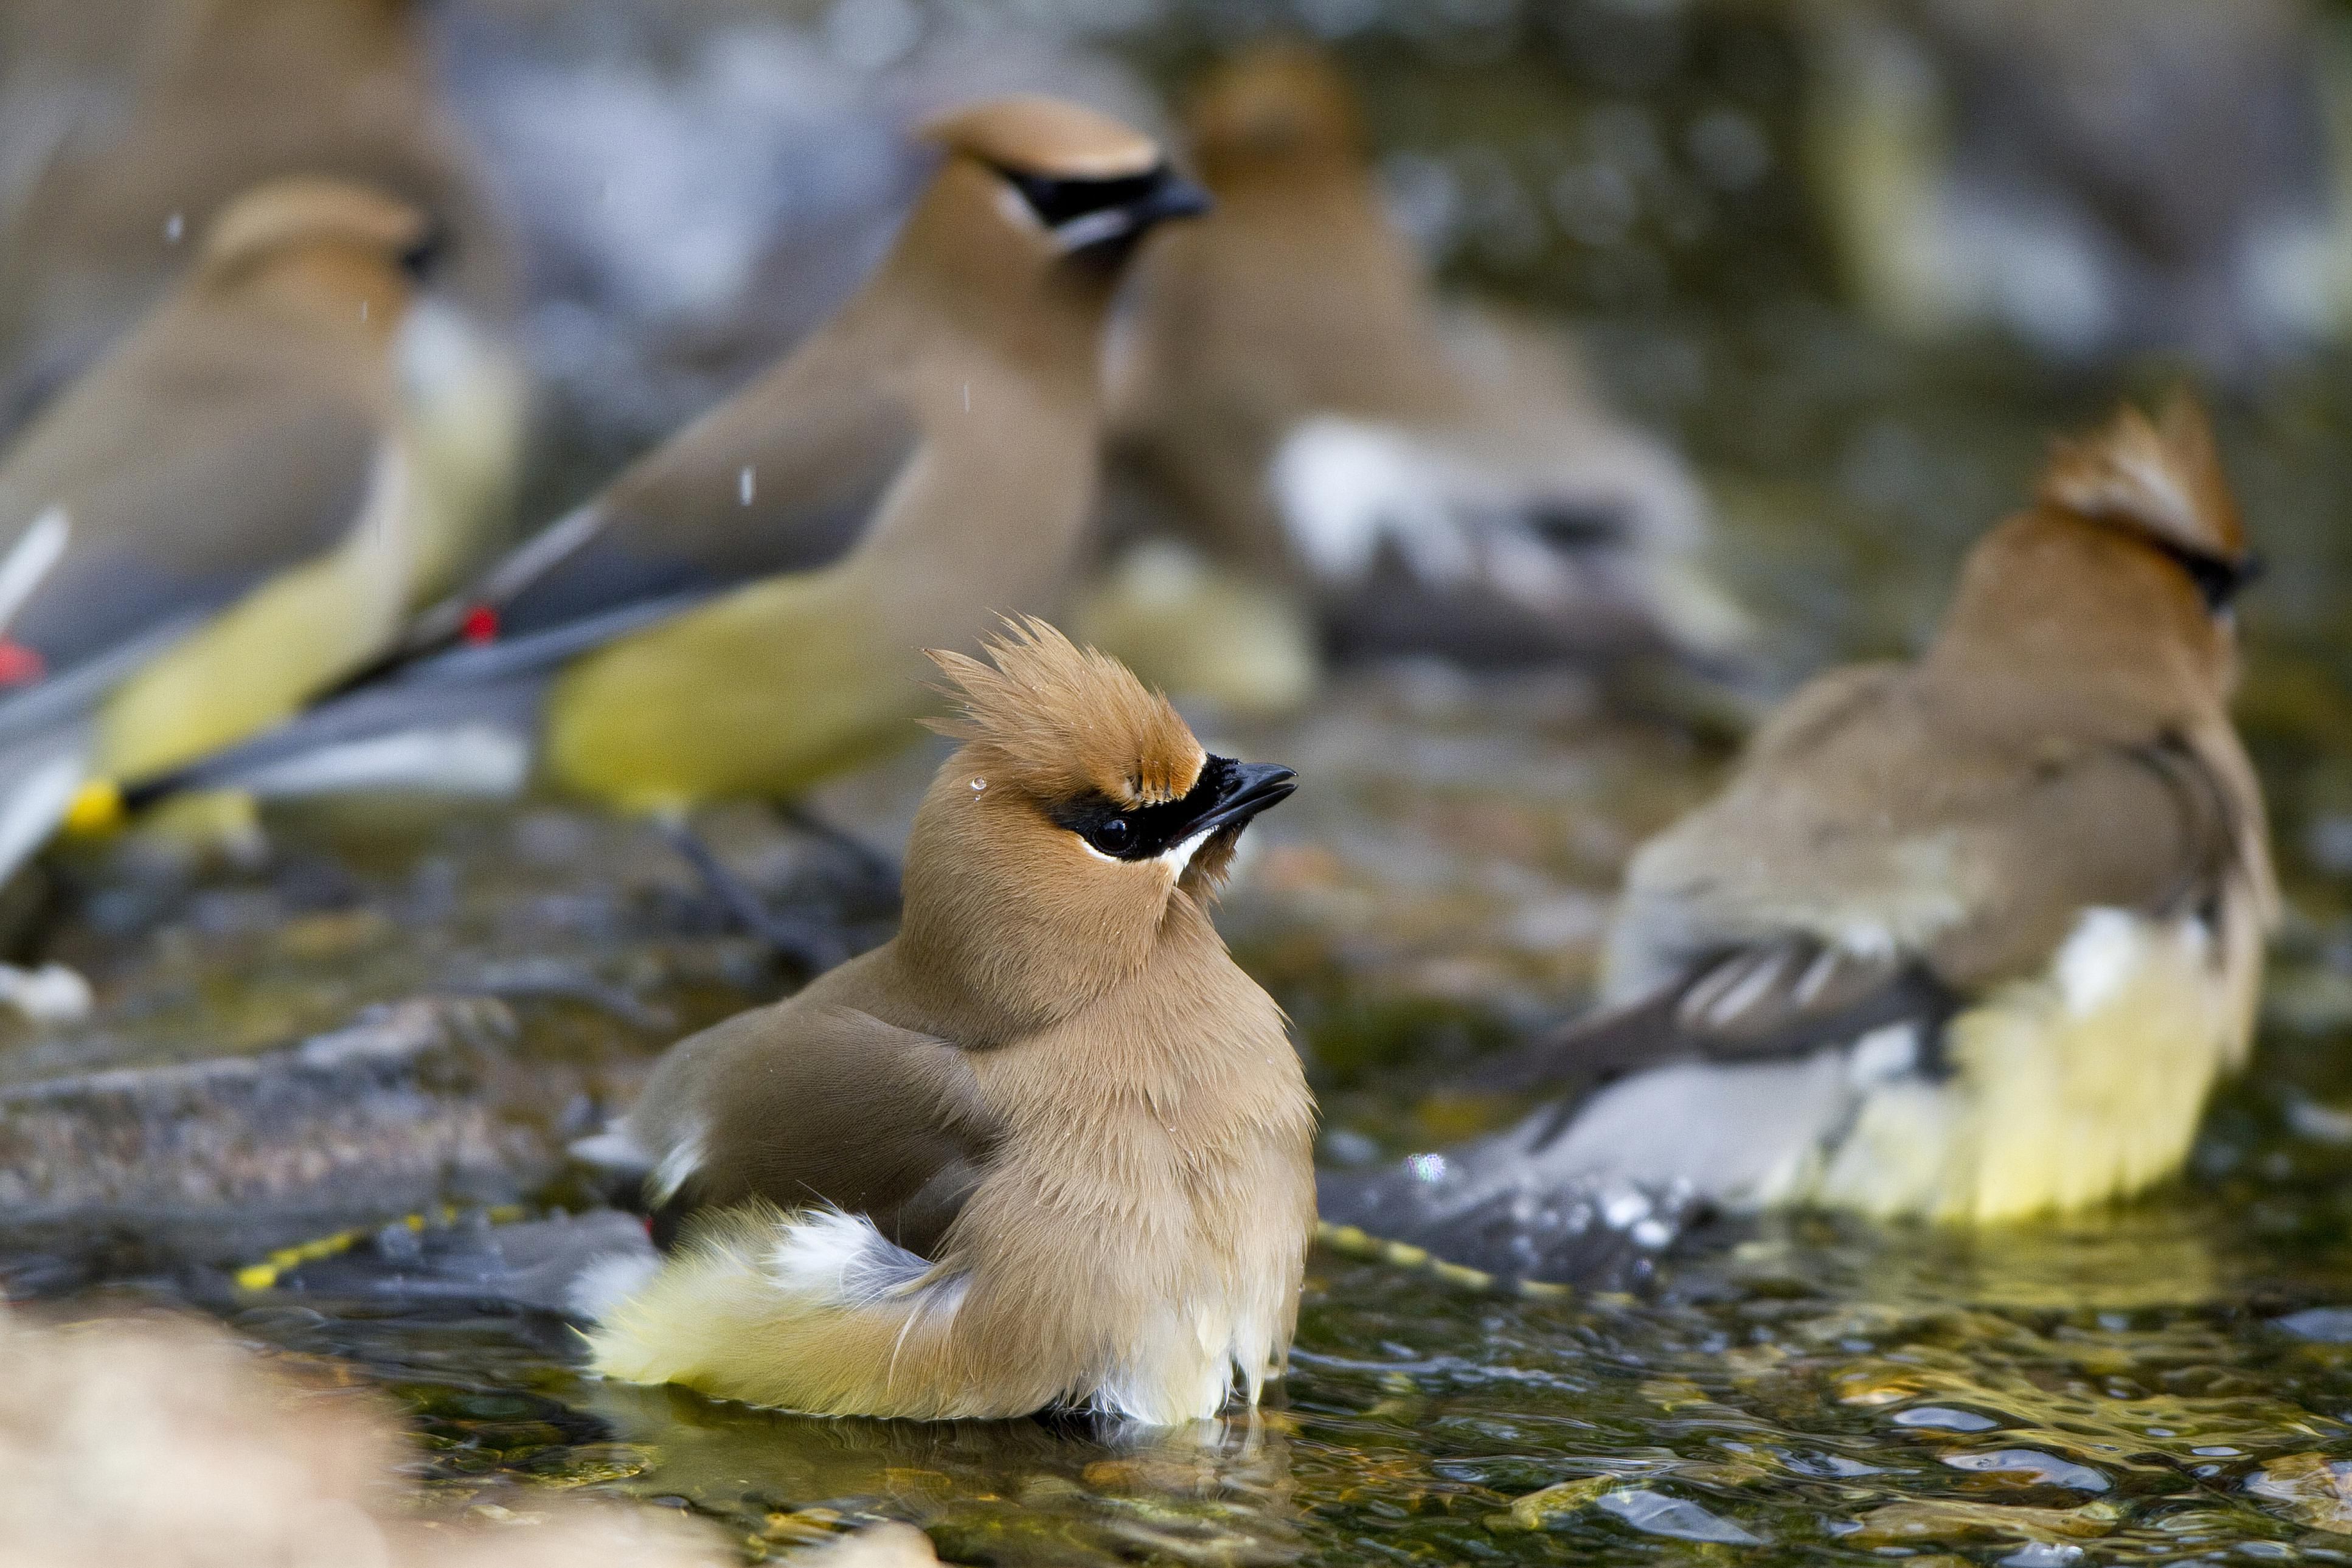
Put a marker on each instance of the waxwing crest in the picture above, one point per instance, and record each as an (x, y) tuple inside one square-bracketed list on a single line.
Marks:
[(1277, 101), (1046, 138), (2162, 476), (306, 209), (1059, 720)]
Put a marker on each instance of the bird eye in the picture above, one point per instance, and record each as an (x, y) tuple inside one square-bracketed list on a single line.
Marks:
[(1112, 836)]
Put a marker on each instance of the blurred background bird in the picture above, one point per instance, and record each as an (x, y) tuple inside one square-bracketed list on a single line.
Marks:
[(235, 507), (2096, 177), (174, 108), (695, 186), (1971, 939), (743, 612), (1426, 476)]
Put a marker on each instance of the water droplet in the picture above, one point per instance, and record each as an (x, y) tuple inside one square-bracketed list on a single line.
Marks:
[(979, 784), (174, 226), (745, 485)]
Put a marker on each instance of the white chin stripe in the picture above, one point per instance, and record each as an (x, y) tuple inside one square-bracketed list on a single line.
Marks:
[(1178, 855)]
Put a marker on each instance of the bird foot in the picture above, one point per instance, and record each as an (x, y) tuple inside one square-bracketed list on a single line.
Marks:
[(810, 945), (877, 869)]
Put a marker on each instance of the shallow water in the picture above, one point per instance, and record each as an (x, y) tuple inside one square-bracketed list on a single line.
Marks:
[(2170, 1381)]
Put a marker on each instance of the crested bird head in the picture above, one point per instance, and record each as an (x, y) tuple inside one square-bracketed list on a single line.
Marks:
[(1039, 193), (2119, 580), (1273, 109), (349, 238), (1078, 825), (2158, 481)]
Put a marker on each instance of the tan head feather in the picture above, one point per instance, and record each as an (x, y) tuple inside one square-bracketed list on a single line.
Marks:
[(2162, 476), (307, 210), (1058, 720), (1276, 103), (1045, 137)]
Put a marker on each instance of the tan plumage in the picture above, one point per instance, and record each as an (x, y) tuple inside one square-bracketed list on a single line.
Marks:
[(1970, 938), (1049, 1146), (924, 462), (229, 512), (1436, 476), (224, 95)]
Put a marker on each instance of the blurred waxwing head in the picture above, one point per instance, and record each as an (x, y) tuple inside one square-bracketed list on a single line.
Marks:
[(1280, 108), (305, 217), (219, 96), (2162, 481), (2125, 571), (1039, 194), (1079, 806)]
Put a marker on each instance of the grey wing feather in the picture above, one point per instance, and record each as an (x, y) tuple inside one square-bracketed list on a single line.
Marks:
[(803, 1104), (2144, 825), (173, 523), (780, 478)]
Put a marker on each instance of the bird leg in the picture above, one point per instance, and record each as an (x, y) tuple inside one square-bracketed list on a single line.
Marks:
[(810, 945), (874, 868)]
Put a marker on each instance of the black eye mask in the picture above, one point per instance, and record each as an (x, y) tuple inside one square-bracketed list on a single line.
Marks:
[(1056, 202), (2218, 581), (1226, 795), (1085, 215)]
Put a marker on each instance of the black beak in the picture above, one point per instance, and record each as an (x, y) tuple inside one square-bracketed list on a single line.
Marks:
[(1169, 195), (1243, 790)]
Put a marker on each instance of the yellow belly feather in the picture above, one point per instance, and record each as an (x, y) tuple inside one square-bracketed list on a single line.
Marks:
[(2077, 1086)]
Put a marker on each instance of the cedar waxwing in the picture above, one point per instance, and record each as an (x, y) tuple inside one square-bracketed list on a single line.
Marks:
[(1048, 1146), (228, 513), (1439, 478), (225, 95), (2099, 177), (702, 629), (1968, 939)]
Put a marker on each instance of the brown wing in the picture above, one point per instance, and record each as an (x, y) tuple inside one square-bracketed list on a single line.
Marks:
[(1749, 946), (212, 469), (803, 1105), (782, 476)]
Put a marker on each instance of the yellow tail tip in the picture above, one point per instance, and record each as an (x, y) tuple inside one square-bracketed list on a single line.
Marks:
[(96, 809)]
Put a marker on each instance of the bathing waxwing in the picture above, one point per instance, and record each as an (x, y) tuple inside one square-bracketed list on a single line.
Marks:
[(1047, 1147), (228, 513), (1968, 938), (221, 96), (706, 627), (1436, 478)]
